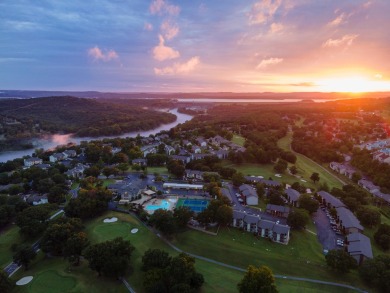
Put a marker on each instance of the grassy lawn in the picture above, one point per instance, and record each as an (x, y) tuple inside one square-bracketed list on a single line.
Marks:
[(74, 185), (8, 237), (301, 257), (237, 139), (306, 167), (158, 170), (290, 286), (107, 182)]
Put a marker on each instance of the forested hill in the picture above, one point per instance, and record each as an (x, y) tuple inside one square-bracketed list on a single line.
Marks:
[(84, 117)]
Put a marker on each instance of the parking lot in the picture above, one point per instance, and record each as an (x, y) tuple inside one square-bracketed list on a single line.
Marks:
[(328, 235)]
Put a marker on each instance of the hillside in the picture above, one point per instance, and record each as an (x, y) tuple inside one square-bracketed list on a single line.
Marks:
[(83, 117)]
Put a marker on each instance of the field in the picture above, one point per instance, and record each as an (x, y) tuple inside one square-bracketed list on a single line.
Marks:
[(306, 167), (302, 257), (238, 140), (8, 237)]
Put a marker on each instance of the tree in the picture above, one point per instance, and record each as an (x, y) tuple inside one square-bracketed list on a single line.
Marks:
[(155, 259), (306, 202), (376, 272), (274, 197), (74, 247), (340, 261), (293, 170), (6, 284), (182, 215), (315, 177), (238, 179), (110, 258), (356, 177), (56, 194), (24, 255), (369, 216), (163, 221), (32, 221), (280, 166), (382, 236), (224, 215), (257, 280), (298, 219)]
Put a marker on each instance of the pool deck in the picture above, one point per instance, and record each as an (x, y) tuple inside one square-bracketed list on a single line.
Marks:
[(172, 200)]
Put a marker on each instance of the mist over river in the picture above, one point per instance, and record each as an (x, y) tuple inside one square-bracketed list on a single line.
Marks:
[(51, 141)]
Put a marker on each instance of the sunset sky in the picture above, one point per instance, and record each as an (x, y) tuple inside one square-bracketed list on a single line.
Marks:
[(195, 46)]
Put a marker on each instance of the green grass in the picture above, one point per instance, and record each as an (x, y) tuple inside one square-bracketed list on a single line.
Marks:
[(237, 139), (301, 257), (8, 237), (158, 170), (74, 185), (290, 286), (107, 182), (306, 167)]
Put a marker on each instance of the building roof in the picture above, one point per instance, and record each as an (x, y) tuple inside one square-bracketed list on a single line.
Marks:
[(248, 191), (251, 219), (265, 224), (281, 229), (292, 194), (348, 219), (359, 244), (334, 201), (274, 207), (226, 192), (238, 214)]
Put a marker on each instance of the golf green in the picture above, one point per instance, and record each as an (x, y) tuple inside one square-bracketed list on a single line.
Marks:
[(51, 282), (107, 231)]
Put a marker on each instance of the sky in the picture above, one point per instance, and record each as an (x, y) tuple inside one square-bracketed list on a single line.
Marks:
[(195, 46)]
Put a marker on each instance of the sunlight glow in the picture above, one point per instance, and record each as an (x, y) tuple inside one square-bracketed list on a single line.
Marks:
[(353, 84)]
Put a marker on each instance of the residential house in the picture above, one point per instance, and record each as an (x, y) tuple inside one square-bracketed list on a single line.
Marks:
[(359, 247), (128, 190), (56, 157), (225, 192), (70, 153), (195, 149), (77, 171), (149, 149), (169, 150), (238, 218), (193, 174), (342, 169), (277, 211), (183, 159), (347, 221), (368, 185), (329, 200), (250, 194), (32, 161), (293, 196), (201, 142), (37, 199), (140, 162), (221, 154)]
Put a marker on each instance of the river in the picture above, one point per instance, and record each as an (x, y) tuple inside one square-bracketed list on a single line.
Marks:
[(54, 140)]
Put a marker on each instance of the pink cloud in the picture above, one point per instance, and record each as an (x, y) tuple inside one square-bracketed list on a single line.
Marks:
[(179, 68), (338, 20), (263, 11), (162, 52), (346, 41), (169, 30), (276, 28), (148, 26), (161, 7), (97, 54), (267, 62)]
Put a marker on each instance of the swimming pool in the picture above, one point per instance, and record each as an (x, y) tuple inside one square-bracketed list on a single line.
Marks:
[(163, 205)]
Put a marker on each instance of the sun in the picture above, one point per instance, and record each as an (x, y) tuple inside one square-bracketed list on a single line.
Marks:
[(353, 84)]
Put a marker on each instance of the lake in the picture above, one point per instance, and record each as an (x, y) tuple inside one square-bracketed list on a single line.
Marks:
[(51, 141)]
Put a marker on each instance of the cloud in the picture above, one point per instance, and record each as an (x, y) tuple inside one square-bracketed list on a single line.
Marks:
[(304, 84), (162, 7), (162, 52), (346, 40), (169, 30), (276, 27), (267, 62), (97, 54), (342, 18), (263, 11), (378, 76), (148, 26), (179, 68)]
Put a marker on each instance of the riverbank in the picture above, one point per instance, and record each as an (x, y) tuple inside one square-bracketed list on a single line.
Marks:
[(55, 140)]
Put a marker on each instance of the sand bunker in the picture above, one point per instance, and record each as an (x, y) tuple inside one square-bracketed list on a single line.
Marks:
[(112, 220), (24, 281), (135, 230)]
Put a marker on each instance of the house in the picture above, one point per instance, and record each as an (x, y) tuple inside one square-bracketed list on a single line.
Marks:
[(383, 196), (359, 247), (149, 149), (37, 199), (169, 150), (292, 196), (77, 171), (56, 157), (115, 150), (128, 190), (347, 221), (250, 194), (277, 211), (267, 229), (195, 149), (342, 169), (183, 186), (201, 142), (329, 200), (200, 156), (139, 162), (368, 185), (43, 166), (183, 159), (221, 154), (193, 174), (70, 153), (225, 192), (32, 161)]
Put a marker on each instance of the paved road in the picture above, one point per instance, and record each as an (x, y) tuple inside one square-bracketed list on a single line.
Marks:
[(131, 290)]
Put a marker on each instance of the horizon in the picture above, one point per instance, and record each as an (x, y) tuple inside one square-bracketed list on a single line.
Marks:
[(162, 46)]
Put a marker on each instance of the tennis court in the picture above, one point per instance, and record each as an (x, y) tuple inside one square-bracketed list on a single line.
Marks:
[(195, 205)]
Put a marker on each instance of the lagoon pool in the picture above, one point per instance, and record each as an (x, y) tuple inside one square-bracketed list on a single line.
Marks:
[(163, 205)]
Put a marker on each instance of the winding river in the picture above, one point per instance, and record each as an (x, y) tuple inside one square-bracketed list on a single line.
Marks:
[(52, 141)]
